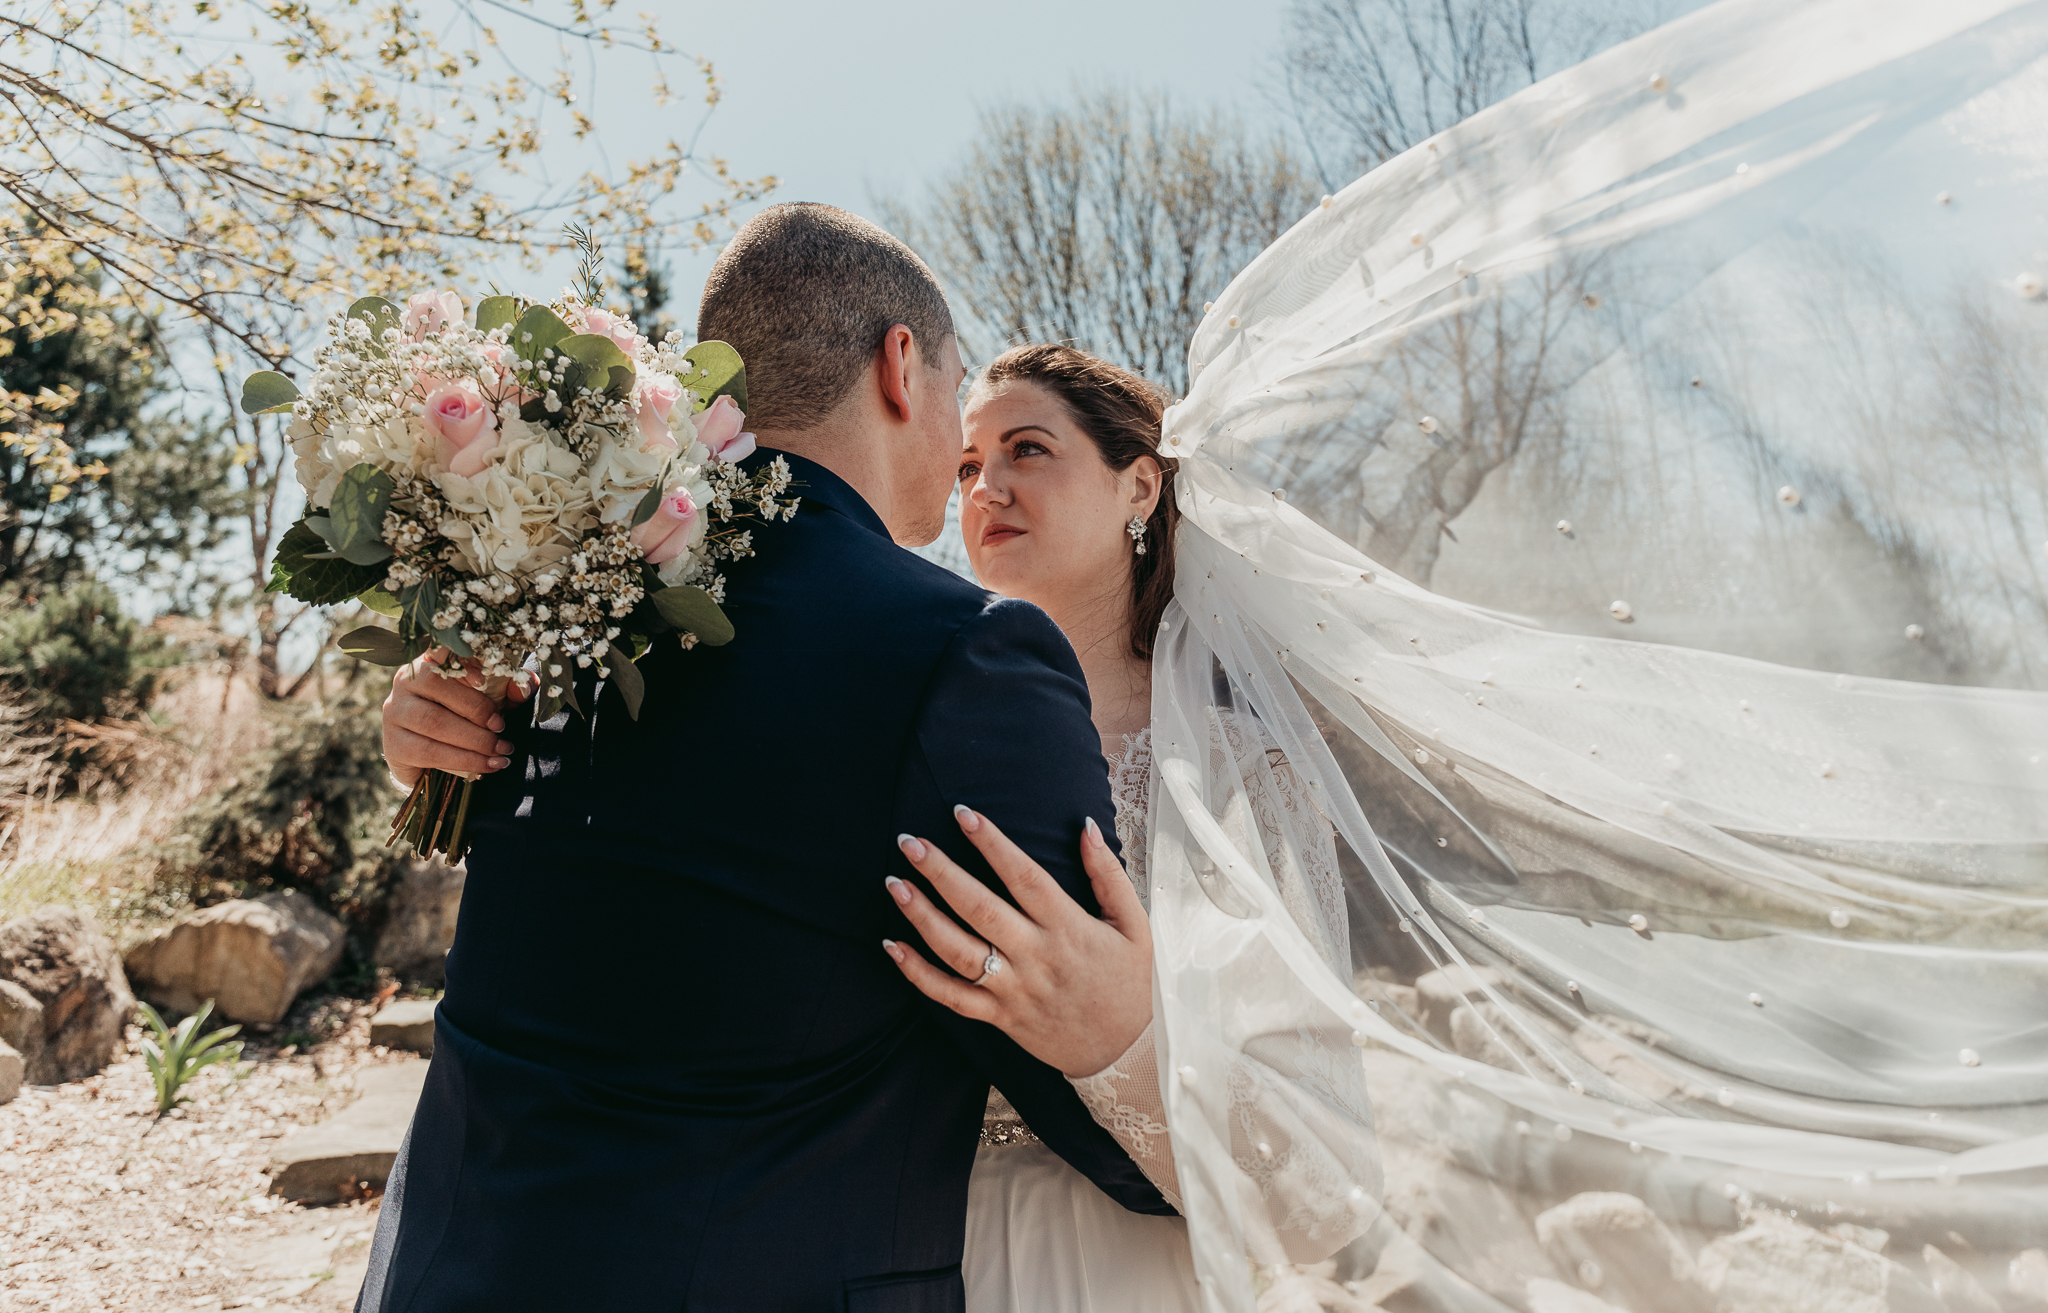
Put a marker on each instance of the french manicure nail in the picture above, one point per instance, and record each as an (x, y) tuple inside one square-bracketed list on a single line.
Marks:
[(911, 847), (890, 947), (898, 890), (497, 724), (499, 763), (1094, 831), (965, 815), (504, 748)]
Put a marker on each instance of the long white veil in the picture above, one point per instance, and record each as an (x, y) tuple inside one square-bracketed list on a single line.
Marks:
[(1694, 819)]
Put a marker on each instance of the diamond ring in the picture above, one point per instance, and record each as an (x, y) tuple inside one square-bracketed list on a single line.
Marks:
[(992, 965)]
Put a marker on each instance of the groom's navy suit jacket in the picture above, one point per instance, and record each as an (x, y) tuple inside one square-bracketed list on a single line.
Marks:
[(674, 1069)]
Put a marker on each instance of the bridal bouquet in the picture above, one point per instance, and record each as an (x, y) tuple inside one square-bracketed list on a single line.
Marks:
[(539, 488)]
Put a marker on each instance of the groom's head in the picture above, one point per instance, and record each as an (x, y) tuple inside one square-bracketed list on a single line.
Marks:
[(850, 355)]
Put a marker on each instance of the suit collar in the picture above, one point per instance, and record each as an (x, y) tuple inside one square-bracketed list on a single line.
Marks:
[(816, 484)]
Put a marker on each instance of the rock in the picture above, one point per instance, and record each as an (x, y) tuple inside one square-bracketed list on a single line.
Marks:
[(1546, 1296), (1454, 1166), (11, 1069), (405, 1025), (2027, 1277), (1614, 1244), (1958, 1291), (21, 1022), (1869, 1237), (1775, 1265), (251, 956), (59, 958), (1441, 991), (1481, 1031), (419, 929), (324, 1164)]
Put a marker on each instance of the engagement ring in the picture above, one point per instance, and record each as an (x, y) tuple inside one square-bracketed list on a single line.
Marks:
[(992, 965)]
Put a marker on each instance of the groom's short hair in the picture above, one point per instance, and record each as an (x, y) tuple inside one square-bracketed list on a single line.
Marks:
[(805, 293)]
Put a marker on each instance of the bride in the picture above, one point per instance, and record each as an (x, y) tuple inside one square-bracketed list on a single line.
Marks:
[(1066, 501)]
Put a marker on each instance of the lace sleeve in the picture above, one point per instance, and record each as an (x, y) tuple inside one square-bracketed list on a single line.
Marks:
[(1125, 1098)]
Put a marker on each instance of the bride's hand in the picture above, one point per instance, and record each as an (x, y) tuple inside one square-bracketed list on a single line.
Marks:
[(1073, 991)]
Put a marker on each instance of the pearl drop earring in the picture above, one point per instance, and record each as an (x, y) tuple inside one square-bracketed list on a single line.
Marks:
[(1136, 528)]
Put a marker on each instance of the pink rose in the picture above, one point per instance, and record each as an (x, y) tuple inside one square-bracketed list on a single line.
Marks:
[(428, 312), (658, 396), (464, 425), (618, 328), (666, 535), (719, 429), (501, 359)]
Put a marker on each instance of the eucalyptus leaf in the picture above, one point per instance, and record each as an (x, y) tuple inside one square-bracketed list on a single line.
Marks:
[(360, 504), (496, 312), (381, 602), (598, 361), (691, 608), (268, 392), (379, 647), (538, 329), (715, 370), (452, 640), (379, 314), (625, 676), (322, 525)]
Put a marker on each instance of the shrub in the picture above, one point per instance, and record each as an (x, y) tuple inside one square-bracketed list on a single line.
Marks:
[(309, 812), (73, 655)]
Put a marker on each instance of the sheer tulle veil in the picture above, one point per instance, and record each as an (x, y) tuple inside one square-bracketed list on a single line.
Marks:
[(1694, 818)]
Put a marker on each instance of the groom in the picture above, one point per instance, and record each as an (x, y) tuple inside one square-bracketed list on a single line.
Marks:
[(673, 1069)]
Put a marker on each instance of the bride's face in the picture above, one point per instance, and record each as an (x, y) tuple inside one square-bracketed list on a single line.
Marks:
[(1042, 513)]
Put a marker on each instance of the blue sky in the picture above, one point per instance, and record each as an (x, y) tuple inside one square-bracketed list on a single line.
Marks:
[(843, 100)]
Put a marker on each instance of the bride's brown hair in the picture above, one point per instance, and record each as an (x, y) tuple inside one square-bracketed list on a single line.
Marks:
[(1120, 412)]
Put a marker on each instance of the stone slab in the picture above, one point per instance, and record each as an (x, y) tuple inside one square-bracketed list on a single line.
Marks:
[(408, 1024), (321, 1164), (11, 1068)]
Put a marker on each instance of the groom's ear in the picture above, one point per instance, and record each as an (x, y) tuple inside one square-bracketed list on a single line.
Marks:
[(896, 362)]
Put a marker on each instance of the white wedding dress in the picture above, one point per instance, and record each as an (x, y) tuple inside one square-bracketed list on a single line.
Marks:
[(1040, 1237)]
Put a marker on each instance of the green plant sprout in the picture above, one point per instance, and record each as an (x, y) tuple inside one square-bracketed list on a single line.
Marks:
[(176, 1056)]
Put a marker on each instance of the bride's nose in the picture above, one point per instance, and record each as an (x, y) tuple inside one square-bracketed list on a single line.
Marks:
[(986, 492)]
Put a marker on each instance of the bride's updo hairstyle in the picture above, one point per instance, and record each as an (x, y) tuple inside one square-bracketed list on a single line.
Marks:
[(1120, 412)]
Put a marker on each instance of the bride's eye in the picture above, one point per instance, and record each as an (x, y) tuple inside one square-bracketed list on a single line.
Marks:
[(968, 470), (1026, 447)]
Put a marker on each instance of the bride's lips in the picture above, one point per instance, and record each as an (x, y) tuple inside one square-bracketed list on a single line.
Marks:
[(999, 533)]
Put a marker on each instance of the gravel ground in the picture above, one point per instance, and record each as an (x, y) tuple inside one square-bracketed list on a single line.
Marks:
[(102, 1207)]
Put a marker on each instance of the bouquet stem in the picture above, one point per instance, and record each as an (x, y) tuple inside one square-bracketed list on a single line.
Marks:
[(423, 820)]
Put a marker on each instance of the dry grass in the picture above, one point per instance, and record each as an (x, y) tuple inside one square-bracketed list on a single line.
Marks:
[(138, 779)]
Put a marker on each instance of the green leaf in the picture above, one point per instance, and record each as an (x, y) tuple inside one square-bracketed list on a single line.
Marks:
[(379, 647), (381, 602), (538, 329), (691, 608), (360, 504), (648, 505), (598, 362), (625, 676), (267, 392), (496, 312), (452, 640), (299, 571), (416, 607), (715, 370), (379, 314)]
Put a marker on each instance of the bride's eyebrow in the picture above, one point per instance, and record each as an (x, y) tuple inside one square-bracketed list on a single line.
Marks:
[(1027, 428)]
